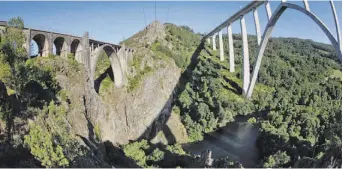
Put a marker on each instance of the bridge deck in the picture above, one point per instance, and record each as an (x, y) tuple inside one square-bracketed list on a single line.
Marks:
[(233, 18), (4, 23)]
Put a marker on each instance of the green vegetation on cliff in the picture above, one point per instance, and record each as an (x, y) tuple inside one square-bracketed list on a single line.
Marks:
[(34, 129), (296, 103)]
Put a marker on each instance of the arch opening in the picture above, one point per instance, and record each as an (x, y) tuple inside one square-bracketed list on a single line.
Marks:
[(33, 49), (268, 31), (60, 46), (106, 66), (42, 44), (76, 49)]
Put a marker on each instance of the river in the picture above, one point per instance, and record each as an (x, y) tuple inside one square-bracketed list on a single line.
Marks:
[(237, 140)]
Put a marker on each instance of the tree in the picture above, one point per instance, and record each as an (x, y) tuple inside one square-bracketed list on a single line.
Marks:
[(43, 148), (16, 22), (277, 160)]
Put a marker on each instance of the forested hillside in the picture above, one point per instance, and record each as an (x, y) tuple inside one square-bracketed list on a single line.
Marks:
[(296, 103), (48, 117)]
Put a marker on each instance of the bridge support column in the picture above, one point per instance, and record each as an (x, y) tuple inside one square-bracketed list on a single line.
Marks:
[(221, 47), (28, 43), (85, 52), (268, 10), (307, 7), (231, 53), (246, 66), (66, 48), (48, 47), (214, 42), (257, 26), (339, 39)]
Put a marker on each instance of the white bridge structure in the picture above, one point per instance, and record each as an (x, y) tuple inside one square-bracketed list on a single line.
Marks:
[(249, 81)]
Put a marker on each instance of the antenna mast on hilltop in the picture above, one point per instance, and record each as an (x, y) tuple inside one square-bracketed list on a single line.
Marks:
[(155, 10), (144, 17), (167, 15)]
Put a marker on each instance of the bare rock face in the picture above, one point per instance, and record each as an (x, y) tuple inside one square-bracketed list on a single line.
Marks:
[(143, 111), (154, 31), (123, 114)]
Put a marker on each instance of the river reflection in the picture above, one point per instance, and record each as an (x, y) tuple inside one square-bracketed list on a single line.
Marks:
[(237, 140)]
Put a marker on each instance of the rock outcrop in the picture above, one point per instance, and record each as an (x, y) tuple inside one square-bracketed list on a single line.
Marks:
[(147, 36), (124, 115)]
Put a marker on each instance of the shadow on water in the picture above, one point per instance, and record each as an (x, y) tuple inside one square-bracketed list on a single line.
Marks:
[(236, 141)]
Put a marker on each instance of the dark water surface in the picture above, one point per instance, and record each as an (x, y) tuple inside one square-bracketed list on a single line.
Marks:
[(237, 140)]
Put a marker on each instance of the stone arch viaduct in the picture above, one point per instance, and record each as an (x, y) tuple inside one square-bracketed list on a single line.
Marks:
[(85, 50), (249, 81)]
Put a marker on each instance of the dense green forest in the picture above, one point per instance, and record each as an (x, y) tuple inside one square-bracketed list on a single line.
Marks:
[(296, 103), (30, 97)]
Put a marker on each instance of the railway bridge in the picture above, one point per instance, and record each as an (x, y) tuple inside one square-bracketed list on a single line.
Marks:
[(85, 50)]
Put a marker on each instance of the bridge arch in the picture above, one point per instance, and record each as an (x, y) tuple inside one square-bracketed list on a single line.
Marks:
[(76, 49), (115, 61), (61, 46), (42, 44), (268, 31)]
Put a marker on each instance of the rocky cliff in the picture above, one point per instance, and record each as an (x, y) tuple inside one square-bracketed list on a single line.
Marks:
[(93, 123), (124, 114)]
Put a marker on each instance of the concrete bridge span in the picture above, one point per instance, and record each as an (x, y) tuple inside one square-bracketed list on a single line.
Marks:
[(118, 60), (85, 50), (249, 81)]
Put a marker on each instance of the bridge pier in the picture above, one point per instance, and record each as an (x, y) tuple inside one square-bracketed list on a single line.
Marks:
[(214, 42), (50, 50), (307, 7), (257, 26), (339, 40), (85, 52), (231, 53), (268, 10), (221, 47), (28, 43), (246, 65)]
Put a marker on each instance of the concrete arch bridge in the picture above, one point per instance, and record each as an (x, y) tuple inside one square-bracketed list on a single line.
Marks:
[(249, 81)]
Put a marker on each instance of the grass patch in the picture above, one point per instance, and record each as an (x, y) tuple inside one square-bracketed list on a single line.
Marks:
[(106, 84), (134, 82), (97, 132)]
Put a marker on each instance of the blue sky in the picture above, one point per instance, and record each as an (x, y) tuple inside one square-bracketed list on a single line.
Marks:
[(113, 21)]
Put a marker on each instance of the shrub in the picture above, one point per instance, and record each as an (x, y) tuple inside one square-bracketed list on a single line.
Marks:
[(252, 120), (43, 148), (157, 155), (97, 132), (176, 149), (136, 151)]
